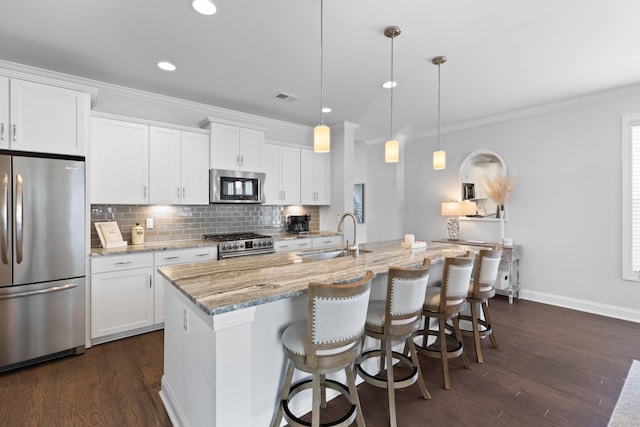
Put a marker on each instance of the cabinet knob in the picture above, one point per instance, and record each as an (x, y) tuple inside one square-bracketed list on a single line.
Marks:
[(15, 133), (1, 131)]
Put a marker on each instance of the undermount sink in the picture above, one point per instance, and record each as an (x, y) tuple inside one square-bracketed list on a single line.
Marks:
[(328, 254)]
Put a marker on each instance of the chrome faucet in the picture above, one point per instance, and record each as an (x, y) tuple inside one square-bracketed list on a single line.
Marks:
[(353, 249)]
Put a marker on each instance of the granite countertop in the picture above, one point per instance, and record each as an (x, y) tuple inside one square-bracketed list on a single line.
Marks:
[(291, 236), (185, 244), (153, 246), (226, 285)]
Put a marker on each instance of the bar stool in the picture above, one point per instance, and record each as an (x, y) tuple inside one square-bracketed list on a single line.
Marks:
[(395, 319), (329, 341), (446, 302), (481, 289)]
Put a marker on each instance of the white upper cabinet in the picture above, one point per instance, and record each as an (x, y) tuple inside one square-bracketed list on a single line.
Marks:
[(315, 178), (194, 158), (134, 163), (282, 167), (119, 162), (4, 112), (178, 167), (42, 118), (236, 148)]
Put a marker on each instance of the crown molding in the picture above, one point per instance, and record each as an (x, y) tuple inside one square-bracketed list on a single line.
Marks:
[(39, 75), (535, 110)]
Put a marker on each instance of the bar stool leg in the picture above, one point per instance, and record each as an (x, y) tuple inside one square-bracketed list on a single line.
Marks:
[(487, 318), (414, 358), (443, 353), (390, 389), (476, 331), (353, 391), (315, 406), (456, 325), (284, 395)]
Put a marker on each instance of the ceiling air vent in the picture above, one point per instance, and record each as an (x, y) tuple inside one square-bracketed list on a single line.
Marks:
[(286, 97)]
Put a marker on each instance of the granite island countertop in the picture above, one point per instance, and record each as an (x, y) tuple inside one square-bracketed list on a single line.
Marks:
[(221, 286)]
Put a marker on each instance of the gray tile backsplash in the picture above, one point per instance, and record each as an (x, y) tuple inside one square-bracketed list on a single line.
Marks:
[(191, 222)]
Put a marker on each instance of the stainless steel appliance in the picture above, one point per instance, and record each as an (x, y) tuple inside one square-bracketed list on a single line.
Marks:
[(298, 223), (232, 186), (241, 244), (42, 258)]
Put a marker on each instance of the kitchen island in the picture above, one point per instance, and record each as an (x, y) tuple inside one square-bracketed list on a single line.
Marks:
[(223, 321)]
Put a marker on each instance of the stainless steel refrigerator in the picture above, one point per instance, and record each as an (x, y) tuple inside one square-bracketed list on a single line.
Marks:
[(42, 258)]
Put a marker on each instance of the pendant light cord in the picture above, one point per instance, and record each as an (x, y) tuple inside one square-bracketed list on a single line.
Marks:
[(321, 62), (392, 85), (438, 107)]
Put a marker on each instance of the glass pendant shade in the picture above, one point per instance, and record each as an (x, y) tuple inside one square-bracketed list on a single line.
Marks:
[(321, 139), (439, 160), (391, 151)]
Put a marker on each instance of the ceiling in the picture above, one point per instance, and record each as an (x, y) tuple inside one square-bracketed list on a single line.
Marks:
[(503, 55)]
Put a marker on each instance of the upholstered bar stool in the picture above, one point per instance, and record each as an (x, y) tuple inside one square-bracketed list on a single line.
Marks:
[(329, 341), (446, 302), (481, 289), (396, 319)]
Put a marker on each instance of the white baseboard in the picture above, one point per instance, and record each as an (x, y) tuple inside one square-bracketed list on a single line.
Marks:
[(168, 398), (582, 305)]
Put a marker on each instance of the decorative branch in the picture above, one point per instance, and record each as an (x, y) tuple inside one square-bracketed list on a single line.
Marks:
[(499, 188)]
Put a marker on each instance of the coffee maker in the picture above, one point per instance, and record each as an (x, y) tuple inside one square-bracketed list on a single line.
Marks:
[(298, 223)]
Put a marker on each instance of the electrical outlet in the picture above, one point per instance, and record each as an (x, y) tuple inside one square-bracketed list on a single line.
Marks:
[(185, 320), (149, 223)]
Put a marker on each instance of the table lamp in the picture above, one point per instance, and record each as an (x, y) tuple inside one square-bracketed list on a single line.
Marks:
[(454, 210)]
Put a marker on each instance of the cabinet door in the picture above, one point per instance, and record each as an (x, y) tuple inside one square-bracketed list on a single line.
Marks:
[(119, 160), (48, 119), (315, 178), (250, 152), (225, 146), (289, 245), (290, 176), (307, 190), (164, 166), (121, 301), (322, 178), (195, 168), (326, 242), (271, 159), (4, 112)]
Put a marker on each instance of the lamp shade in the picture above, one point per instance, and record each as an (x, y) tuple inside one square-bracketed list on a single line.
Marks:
[(458, 208), (321, 139), (439, 160), (391, 151)]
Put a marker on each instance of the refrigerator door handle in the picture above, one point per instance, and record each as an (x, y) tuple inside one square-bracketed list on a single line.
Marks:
[(19, 218), (4, 244), (39, 292)]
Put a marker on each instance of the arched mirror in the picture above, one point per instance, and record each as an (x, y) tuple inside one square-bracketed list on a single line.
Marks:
[(477, 166)]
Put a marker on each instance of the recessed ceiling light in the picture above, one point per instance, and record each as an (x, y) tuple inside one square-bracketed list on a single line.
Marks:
[(204, 7), (166, 65), (326, 109), (389, 85)]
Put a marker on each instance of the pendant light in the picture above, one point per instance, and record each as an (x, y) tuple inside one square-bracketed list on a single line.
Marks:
[(391, 147), (439, 157), (321, 133)]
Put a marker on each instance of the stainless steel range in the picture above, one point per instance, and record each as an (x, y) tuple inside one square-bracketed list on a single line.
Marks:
[(241, 244)]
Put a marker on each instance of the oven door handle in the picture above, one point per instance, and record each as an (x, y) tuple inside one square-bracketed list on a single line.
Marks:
[(245, 253)]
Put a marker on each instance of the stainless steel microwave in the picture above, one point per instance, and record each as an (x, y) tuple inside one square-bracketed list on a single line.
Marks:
[(231, 186)]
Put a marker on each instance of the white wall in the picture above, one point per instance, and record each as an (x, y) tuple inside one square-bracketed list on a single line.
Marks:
[(565, 210)]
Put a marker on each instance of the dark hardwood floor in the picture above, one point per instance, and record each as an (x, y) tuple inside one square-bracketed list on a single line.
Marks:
[(554, 367)]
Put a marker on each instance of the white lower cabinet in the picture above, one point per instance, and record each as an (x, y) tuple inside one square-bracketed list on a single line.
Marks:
[(121, 294), (326, 241), (174, 257), (289, 245), (127, 292)]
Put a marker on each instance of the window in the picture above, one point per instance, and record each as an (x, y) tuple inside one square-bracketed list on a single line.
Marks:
[(631, 197)]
